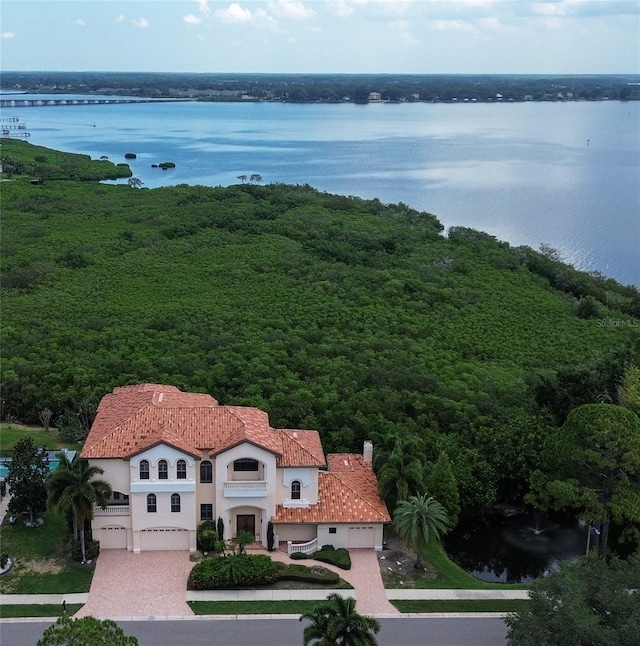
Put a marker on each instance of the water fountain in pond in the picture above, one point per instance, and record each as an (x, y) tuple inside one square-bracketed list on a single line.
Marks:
[(520, 548)]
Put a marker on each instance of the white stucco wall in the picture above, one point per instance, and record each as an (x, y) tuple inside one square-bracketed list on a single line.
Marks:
[(116, 473), (308, 477), (227, 507), (297, 533)]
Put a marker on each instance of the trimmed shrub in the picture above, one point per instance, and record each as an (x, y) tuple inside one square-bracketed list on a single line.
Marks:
[(207, 539), (315, 574), (234, 571), (327, 548), (339, 557), (92, 549), (299, 556), (270, 536)]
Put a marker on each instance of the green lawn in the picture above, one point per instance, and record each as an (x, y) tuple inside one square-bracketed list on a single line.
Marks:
[(449, 576), (461, 605), (252, 607), (43, 565), (11, 433), (37, 610)]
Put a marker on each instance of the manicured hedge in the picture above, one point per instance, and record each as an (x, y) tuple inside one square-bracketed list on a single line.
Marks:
[(339, 557), (315, 574), (234, 571)]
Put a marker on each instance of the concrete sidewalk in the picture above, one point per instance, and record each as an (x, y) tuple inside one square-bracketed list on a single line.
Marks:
[(281, 595)]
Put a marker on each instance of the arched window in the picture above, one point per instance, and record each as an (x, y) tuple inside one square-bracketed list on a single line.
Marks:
[(206, 471), (163, 470), (152, 504), (175, 502), (144, 469), (181, 470), (296, 488), (245, 464)]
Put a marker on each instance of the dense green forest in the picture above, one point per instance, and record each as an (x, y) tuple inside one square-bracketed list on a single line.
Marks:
[(332, 87), (354, 317)]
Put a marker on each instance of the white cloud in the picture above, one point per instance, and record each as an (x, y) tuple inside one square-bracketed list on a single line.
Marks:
[(234, 13), (339, 8), (142, 23), (8, 35), (190, 19), (291, 9), (549, 8), (493, 24), (403, 30), (80, 22), (120, 19), (450, 25), (203, 6)]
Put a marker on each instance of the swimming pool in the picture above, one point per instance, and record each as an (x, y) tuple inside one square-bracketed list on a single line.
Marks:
[(54, 462)]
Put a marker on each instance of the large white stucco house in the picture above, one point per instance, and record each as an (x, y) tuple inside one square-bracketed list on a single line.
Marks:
[(175, 459)]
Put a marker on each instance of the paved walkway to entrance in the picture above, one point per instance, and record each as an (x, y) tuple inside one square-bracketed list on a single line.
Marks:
[(149, 584), (364, 576)]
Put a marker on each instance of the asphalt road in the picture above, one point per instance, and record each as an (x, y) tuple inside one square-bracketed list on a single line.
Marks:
[(283, 632)]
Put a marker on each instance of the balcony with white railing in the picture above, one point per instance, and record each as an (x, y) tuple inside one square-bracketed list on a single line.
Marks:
[(307, 548), (245, 489), (113, 510)]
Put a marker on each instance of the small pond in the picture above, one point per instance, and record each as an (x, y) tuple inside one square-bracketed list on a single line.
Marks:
[(518, 549)]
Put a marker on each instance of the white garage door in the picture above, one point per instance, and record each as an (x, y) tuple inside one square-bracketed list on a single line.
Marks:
[(361, 536), (164, 539), (113, 538)]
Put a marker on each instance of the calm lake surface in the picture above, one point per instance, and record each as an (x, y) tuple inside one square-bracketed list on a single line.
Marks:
[(563, 174)]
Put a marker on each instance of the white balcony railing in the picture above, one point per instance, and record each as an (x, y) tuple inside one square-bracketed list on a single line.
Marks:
[(113, 510), (245, 488), (307, 548)]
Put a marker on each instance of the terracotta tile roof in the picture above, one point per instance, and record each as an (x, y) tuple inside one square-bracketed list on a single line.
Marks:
[(301, 449), (347, 493), (135, 418)]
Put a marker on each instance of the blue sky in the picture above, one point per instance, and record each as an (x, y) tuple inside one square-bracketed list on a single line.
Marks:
[(314, 36)]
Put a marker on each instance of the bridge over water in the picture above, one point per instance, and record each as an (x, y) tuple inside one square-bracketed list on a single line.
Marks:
[(18, 102)]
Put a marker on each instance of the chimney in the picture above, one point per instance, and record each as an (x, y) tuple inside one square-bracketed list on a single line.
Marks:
[(367, 453)]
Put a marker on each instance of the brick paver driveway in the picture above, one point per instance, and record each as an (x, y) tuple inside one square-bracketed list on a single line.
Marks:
[(150, 584)]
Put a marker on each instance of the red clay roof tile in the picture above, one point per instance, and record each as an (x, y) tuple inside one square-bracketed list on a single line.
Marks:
[(347, 493), (132, 419)]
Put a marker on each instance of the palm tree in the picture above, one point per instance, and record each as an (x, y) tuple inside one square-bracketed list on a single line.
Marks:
[(335, 622), (420, 522), (401, 474), (73, 487)]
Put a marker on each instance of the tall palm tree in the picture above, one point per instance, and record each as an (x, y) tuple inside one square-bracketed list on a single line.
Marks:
[(335, 622), (73, 486), (420, 522), (401, 473)]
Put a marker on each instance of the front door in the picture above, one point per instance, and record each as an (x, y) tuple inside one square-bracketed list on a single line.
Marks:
[(246, 523)]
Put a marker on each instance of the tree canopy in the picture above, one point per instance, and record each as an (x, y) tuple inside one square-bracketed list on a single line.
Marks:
[(357, 318), (335, 622), (592, 463), (87, 631), (27, 473), (588, 602)]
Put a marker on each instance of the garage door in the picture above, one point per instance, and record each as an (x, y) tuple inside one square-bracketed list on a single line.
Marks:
[(361, 536), (164, 539), (113, 538)]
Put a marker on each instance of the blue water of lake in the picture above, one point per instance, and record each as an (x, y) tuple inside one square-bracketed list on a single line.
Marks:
[(562, 174)]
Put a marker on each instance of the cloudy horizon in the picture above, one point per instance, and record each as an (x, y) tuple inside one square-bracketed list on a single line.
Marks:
[(323, 36)]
